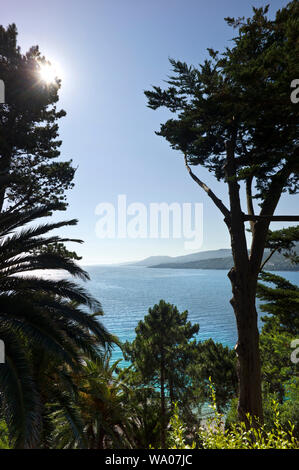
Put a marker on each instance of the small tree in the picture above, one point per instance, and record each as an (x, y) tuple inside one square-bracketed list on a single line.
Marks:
[(161, 353), (233, 115)]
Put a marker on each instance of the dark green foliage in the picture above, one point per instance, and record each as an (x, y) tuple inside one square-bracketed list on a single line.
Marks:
[(40, 322), (29, 141), (280, 301), (164, 334), (290, 406), (288, 410), (244, 93), (234, 116), (217, 362), (44, 323), (101, 403), (49, 398), (281, 326), (143, 405), (283, 241), (161, 354)]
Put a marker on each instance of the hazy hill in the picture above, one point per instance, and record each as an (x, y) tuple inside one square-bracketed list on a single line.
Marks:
[(201, 255), (212, 259), (277, 263), (152, 260)]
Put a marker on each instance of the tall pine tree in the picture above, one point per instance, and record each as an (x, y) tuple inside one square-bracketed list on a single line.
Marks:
[(161, 353), (30, 172), (233, 115)]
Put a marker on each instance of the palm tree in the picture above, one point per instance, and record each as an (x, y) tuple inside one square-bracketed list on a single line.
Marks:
[(102, 401), (40, 316)]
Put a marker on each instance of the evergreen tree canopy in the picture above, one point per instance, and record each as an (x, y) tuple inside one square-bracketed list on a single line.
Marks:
[(285, 241), (163, 335), (161, 353), (30, 172), (280, 301), (234, 116), (241, 95), (218, 363)]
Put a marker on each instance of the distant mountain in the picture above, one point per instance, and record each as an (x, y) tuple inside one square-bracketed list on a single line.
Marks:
[(277, 263), (151, 261), (201, 255), (212, 263), (212, 259)]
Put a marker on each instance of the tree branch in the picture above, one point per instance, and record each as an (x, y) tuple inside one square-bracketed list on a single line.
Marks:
[(237, 228), (250, 207), (266, 216), (209, 192), (271, 218), (268, 258)]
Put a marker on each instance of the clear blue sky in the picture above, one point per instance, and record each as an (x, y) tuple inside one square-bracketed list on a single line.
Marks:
[(110, 52)]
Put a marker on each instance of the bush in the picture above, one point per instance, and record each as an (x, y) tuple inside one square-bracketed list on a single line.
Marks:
[(4, 441), (214, 435)]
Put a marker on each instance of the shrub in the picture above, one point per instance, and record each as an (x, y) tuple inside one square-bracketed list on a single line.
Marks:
[(213, 434)]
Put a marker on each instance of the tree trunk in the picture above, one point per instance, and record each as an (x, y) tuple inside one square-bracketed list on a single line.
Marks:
[(245, 272), (171, 395), (163, 409), (243, 277), (247, 347)]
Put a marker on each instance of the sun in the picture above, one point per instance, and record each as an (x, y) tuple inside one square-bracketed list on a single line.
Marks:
[(49, 73)]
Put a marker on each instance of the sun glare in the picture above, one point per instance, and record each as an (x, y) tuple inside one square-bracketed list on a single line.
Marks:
[(49, 72)]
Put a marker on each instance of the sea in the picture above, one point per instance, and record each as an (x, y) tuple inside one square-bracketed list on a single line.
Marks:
[(127, 292)]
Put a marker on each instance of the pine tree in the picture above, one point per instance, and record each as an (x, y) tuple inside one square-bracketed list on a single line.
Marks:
[(30, 173), (161, 353), (233, 115)]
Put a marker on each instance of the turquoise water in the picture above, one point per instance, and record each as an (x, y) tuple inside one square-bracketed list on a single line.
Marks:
[(126, 293)]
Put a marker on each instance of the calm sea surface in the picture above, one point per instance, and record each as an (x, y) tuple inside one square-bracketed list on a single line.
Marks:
[(126, 293)]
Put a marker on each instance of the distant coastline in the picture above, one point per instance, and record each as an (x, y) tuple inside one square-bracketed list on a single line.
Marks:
[(221, 264), (214, 259)]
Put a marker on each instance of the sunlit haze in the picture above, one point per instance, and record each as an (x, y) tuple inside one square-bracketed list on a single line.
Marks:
[(50, 72)]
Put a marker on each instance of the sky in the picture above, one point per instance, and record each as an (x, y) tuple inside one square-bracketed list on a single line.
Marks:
[(109, 52)]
